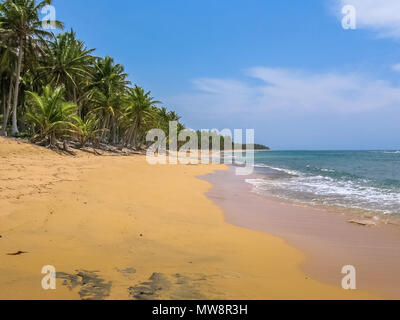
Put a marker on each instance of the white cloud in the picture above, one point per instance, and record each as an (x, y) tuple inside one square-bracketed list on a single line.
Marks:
[(382, 16), (396, 67), (285, 90)]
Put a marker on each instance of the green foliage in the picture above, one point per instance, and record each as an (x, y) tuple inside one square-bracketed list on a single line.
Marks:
[(138, 114), (85, 130), (55, 88), (21, 28), (50, 115), (19, 19), (68, 62)]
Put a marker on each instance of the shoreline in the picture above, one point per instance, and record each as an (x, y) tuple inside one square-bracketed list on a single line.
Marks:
[(326, 237), (362, 217), (119, 228)]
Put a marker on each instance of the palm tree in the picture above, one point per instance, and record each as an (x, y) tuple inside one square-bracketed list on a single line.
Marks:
[(33, 61), (50, 115), (138, 113), (164, 117), (108, 92), (68, 63), (20, 23), (86, 130)]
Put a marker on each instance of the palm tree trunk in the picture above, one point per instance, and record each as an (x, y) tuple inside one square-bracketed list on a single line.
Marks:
[(14, 130), (76, 102), (105, 126), (4, 104), (7, 110), (135, 133), (115, 133), (131, 137), (134, 139)]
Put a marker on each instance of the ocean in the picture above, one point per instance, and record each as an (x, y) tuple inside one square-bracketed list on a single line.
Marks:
[(360, 180)]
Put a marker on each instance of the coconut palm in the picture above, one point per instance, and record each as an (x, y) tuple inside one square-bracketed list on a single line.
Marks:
[(138, 113), (33, 61), (20, 23), (50, 115), (68, 63), (85, 130), (164, 117), (108, 93)]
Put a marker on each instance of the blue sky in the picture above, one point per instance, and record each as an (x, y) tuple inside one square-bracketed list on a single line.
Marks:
[(285, 68)]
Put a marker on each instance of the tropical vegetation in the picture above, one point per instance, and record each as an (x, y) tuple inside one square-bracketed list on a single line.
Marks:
[(55, 91), (53, 88)]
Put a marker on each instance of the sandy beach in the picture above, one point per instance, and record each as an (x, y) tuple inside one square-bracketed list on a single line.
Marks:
[(116, 227)]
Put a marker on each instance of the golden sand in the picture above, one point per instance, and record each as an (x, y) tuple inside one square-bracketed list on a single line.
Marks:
[(118, 228)]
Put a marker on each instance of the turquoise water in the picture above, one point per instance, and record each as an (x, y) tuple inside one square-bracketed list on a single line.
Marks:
[(367, 180)]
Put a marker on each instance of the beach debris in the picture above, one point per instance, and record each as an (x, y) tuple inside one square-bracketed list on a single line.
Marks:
[(16, 253), (91, 286), (365, 223)]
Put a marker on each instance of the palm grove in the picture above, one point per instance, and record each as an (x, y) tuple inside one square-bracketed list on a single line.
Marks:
[(54, 89)]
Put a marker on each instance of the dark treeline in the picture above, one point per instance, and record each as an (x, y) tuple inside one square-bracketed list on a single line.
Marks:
[(54, 89), (212, 138)]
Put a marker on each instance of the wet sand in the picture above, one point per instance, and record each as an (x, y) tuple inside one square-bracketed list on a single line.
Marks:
[(328, 239)]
